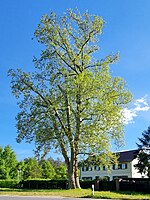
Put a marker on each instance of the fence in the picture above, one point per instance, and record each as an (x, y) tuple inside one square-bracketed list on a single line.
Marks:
[(125, 184), (135, 184)]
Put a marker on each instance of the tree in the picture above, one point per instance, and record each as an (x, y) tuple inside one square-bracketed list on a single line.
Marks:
[(8, 163), (48, 171), (31, 170), (60, 168), (143, 156), (2, 165), (56, 163), (71, 102), (20, 167), (61, 172)]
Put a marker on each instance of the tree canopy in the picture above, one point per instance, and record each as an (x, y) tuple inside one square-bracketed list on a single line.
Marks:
[(143, 164), (30, 168), (71, 102)]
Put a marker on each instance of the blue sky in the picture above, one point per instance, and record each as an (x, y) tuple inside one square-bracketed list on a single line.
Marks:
[(127, 30)]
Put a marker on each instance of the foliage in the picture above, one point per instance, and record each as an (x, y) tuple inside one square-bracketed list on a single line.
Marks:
[(56, 163), (48, 171), (29, 168), (9, 183), (143, 164), (71, 102), (32, 169), (43, 169), (8, 163), (61, 173), (20, 167)]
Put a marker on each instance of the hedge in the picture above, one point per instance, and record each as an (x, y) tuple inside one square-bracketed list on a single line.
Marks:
[(9, 183), (44, 184)]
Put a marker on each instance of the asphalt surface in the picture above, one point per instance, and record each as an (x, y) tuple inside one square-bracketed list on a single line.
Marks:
[(5, 197)]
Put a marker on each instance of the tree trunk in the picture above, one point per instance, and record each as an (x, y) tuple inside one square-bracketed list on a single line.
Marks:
[(73, 172), (148, 172), (76, 173), (71, 178)]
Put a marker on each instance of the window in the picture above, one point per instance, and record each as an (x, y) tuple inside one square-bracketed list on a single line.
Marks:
[(96, 177), (83, 169), (119, 166), (87, 178), (119, 177), (124, 166), (115, 166), (96, 168), (104, 168), (90, 168)]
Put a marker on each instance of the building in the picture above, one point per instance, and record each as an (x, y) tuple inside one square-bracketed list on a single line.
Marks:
[(124, 169)]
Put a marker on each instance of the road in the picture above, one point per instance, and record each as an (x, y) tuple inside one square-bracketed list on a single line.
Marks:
[(5, 197)]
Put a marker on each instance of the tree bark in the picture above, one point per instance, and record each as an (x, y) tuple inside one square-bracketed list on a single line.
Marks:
[(71, 173), (73, 176), (71, 179), (76, 174)]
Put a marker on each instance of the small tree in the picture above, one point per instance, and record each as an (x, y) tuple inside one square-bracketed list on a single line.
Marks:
[(143, 164), (71, 103)]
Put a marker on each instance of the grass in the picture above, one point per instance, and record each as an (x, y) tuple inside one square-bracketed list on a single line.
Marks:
[(80, 193)]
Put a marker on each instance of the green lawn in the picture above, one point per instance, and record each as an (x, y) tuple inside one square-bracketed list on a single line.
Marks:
[(74, 193)]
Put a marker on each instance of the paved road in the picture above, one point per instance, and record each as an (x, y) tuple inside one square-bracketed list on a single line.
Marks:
[(39, 198)]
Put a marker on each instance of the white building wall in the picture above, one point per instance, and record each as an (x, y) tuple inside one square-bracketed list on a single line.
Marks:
[(130, 172), (104, 173), (135, 173), (122, 172)]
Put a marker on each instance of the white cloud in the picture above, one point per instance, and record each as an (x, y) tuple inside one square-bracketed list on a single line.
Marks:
[(138, 105), (128, 115)]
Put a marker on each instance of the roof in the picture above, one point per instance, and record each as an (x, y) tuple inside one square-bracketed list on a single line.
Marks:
[(127, 156)]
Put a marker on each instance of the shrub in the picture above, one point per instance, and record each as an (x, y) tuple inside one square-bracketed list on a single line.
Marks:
[(9, 183)]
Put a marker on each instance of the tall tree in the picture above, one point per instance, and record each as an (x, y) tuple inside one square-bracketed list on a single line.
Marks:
[(143, 164), (8, 163), (2, 165), (71, 102)]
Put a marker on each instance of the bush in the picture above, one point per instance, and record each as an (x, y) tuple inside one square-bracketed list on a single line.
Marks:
[(9, 183)]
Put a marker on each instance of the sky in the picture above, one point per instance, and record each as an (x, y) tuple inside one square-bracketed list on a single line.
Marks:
[(127, 30)]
